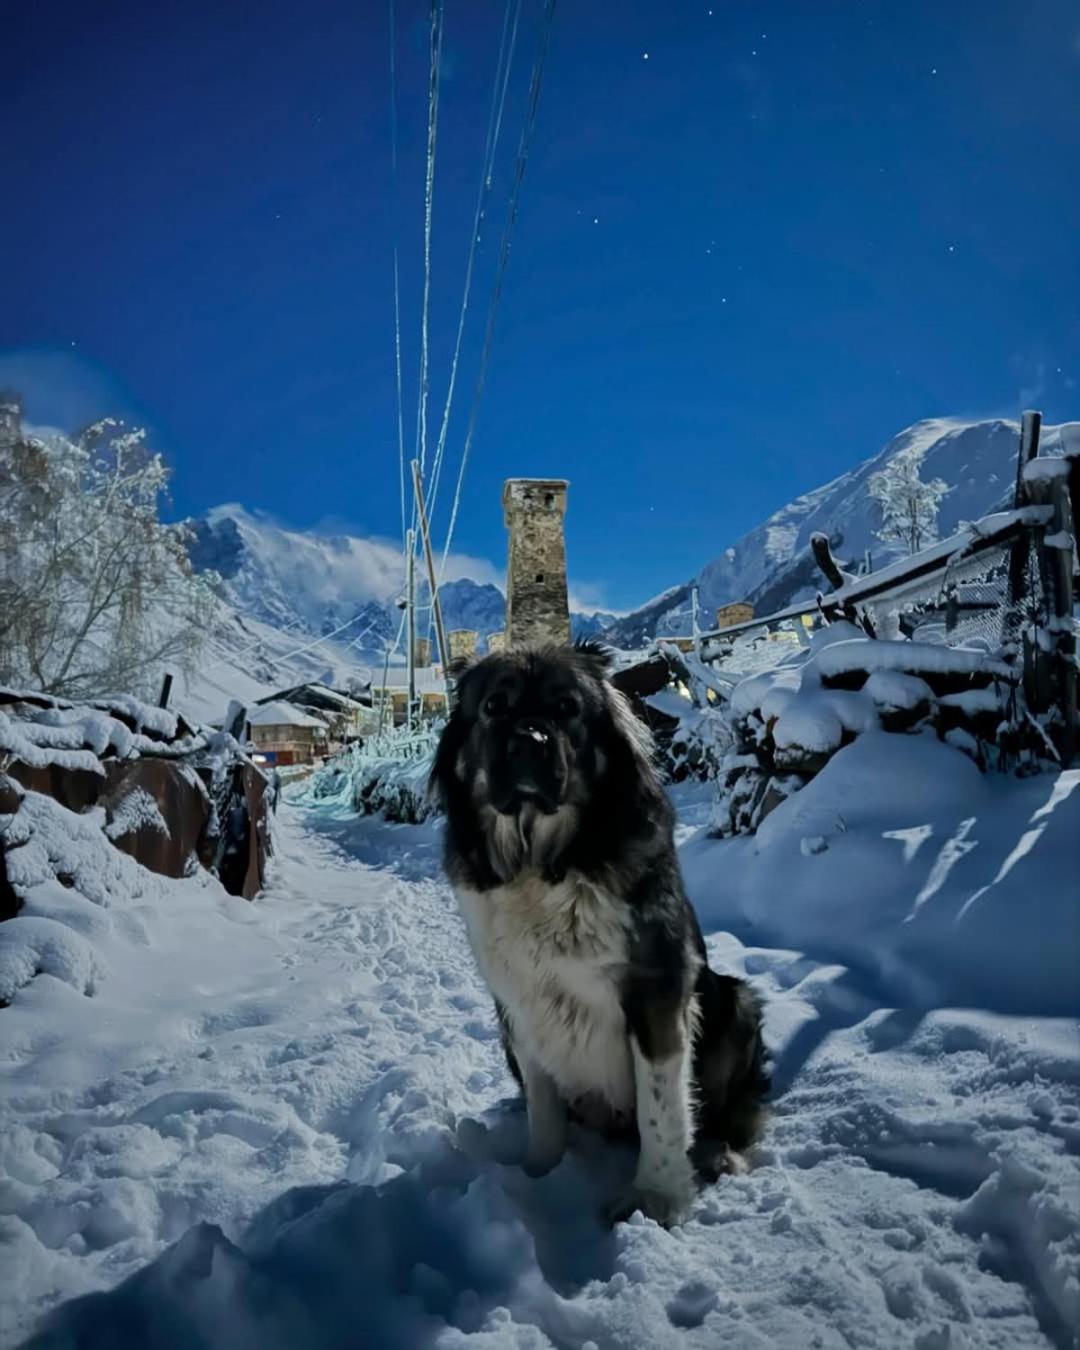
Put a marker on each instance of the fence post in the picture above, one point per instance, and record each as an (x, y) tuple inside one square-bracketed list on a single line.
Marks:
[(1019, 556), (1055, 544), (819, 547)]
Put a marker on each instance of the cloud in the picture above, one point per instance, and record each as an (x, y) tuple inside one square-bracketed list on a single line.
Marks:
[(1034, 386), (586, 597), (63, 388)]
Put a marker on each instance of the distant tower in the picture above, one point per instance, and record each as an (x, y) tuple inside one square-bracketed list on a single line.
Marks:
[(536, 599), (10, 420), (496, 642), (462, 643)]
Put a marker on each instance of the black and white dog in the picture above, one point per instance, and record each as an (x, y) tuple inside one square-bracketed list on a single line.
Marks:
[(559, 847)]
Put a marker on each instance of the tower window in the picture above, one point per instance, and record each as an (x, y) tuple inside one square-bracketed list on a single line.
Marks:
[(549, 499), (539, 578)]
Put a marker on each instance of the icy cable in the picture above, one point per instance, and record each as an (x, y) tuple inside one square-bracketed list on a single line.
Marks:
[(504, 254), (397, 284), (503, 64), (429, 194)]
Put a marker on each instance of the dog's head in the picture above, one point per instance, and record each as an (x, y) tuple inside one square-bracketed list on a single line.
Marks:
[(537, 737)]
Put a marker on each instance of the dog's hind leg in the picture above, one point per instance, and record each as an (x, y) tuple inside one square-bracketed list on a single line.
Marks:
[(547, 1118)]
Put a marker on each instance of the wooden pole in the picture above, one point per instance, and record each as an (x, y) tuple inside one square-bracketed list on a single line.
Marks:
[(1060, 567), (440, 632), (410, 625), (1056, 668), (819, 546), (166, 690), (1030, 425)]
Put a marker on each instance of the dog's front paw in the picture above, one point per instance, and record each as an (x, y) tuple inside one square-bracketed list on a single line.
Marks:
[(668, 1204)]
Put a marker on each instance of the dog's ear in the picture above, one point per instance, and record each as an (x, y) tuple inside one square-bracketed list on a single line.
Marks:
[(596, 658), (454, 734), (444, 767)]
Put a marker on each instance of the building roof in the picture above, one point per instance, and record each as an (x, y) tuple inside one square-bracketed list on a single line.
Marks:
[(283, 715), (313, 691)]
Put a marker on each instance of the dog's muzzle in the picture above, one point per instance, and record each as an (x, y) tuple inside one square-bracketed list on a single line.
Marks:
[(532, 769)]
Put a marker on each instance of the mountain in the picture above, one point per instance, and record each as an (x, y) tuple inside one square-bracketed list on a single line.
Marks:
[(317, 583), (284, 591), (771, 567)]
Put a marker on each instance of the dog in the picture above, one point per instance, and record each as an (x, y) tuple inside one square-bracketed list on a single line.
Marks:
[(559, 847)]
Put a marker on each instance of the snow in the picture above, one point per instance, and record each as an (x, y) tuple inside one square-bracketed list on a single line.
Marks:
[(289, 1123), (18, 740), (894, 689), (818, 718), (1045, 469), (917, 657), (136, 810)]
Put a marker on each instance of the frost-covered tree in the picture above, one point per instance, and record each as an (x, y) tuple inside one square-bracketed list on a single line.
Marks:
[(96, 593), (909, 507)]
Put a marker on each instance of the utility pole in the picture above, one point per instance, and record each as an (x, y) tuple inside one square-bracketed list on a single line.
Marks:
[(436, 603), (410, 624)]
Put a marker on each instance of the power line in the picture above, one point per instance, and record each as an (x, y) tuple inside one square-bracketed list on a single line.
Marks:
[(504, 61), (397, 286), (504, 253), (429, 194)]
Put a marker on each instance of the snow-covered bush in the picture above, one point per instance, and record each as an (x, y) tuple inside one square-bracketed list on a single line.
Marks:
[(373, 785), (96, 593)]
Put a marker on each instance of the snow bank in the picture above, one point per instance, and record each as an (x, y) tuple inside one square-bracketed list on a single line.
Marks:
[(66, 874), (948, 885)]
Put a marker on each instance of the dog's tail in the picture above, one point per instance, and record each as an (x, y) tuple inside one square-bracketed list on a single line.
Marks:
[(731, 1062)]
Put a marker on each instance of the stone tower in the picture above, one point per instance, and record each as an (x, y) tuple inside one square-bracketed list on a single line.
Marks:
[(462, 643), (536, 599)]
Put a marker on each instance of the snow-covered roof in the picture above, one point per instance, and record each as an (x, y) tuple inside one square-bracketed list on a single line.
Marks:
[(294, 693), (283, 714)]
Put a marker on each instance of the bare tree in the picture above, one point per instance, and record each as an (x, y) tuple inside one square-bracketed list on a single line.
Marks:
[(96, 593), (909, 507)]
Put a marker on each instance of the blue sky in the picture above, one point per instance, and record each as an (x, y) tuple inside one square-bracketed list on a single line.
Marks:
[(755, 241)]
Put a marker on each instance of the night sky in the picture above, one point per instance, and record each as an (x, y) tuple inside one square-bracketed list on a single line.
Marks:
[(754, 242)]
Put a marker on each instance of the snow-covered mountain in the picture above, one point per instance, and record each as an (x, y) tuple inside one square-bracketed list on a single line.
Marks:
[(770, 566), (283, 589), (316, 583)]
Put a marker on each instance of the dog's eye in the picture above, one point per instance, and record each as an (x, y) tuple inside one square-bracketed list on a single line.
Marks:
[(496, 705), (568, 706)]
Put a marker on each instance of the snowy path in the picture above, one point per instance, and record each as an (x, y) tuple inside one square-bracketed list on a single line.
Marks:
[(243, 1091)]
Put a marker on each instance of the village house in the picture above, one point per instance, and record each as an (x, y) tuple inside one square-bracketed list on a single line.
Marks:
[(392, 693), (281, 733), (347, 718)]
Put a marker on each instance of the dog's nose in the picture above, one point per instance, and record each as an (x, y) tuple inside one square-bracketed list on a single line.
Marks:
[(531, 730)]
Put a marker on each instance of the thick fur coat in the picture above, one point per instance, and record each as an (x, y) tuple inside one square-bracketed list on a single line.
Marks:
[(559, 846)]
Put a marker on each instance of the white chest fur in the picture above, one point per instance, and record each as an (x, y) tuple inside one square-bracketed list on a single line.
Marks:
[(553, 956)]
